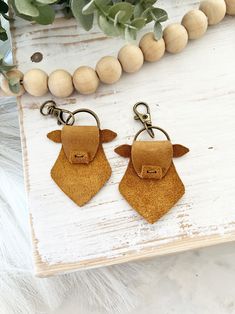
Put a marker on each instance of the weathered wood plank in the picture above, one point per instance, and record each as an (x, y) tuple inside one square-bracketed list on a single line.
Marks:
[(191, 96)]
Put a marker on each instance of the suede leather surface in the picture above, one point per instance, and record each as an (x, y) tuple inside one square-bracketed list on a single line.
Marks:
[(179, 150), (80, 143), (81, 180), (151, 184), (151, 198), (55, 136), (125, 150), (107, 135), (151, 159)]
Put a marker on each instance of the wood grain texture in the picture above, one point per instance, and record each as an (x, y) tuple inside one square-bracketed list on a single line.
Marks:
[(191, 96)]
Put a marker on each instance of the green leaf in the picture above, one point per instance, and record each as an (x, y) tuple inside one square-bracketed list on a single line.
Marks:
[(147, 15), (107, 27), (3, 7), (85, 20), (149, 2), (103, 3), (46, 1), (3, 34), (26, 7), (130, 34), (89, 8), (157, 30), (138, 10), (13, 81), (118, 17), (46, 15), (159, 15), (138, 23), (14, 88), (122, 6), (6, 67)]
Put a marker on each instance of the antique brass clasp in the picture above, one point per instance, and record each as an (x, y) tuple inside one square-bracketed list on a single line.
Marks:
[(145, 118)]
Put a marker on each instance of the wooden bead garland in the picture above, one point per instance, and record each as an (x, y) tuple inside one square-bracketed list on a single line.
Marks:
[(153, 50), (175, 37), (195, 22), (131, 58), (230, 7), (109, 70), (60, 83), (5, 85), (35, 82), (215, 10), (85, 80)]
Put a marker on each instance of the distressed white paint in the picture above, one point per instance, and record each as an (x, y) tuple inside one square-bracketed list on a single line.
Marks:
[(191, 96)]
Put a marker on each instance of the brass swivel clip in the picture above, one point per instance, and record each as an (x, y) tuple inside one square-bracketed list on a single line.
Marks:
[(63, 116), (145, 118)]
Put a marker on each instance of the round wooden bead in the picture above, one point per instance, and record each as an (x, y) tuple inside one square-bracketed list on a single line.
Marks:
[(85, 80), (35, 82), (109, 70), (131, 58), (175, 37), (195, 22), (214, 10), (230, 7), (153, 50), (5, 85), (60, 84)]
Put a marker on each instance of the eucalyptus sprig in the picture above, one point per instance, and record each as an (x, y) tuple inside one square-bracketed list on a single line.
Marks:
[(115, 17), (3, 13), (13, 82)]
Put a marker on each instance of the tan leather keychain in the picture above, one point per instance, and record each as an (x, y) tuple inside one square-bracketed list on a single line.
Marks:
[(151, 184), (81, 168)]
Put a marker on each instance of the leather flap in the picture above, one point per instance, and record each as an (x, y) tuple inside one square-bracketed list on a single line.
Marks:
[(80, 143), (151, 160)]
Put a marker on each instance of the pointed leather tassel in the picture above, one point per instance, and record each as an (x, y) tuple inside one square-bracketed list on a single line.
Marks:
[(81, 168), (151, 184)]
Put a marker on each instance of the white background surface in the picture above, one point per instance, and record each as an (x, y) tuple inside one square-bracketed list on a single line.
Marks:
[(193, 282), (191, 96)]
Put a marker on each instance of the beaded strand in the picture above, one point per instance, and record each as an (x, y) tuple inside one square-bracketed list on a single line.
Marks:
[(86, 80)]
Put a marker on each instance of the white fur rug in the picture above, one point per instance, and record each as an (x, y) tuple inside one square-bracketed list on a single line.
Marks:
[(116, 289)]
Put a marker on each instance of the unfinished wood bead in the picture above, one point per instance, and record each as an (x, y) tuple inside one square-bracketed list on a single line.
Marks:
[(35, 82), (85, 80), (60, 84), (109, 70), (195, 22), (131, 58), (214, 10), (230, 7), (153, 50), (175, 37), (5, 85)]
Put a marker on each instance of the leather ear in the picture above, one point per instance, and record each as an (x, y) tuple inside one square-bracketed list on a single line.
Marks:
[(123, 150), (179, 150), (107, 136), (55, 136)]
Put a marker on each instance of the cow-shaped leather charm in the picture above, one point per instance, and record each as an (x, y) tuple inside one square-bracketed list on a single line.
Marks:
[(81, 168), (151, 184)]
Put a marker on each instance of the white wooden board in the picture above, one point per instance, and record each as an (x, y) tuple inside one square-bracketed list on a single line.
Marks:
[(192, 96)]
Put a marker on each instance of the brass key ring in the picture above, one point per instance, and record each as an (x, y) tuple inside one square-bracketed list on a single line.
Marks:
[(83, 110), (153, 127), (49, 108)]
